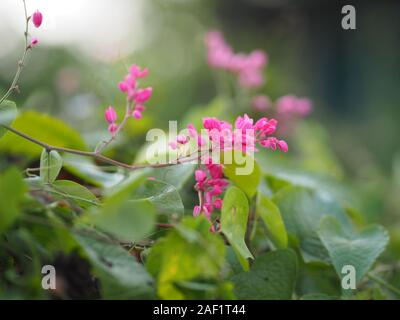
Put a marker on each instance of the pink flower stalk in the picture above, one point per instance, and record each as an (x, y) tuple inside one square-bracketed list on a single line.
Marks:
[(248, 68), (110, 115), (210, 187), (37, 19), (244, 135), (135, 95)]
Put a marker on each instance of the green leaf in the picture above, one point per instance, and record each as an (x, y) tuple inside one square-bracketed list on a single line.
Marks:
[(234, 216), (317, 296), (121, 276), (272, 218), (174, 175), (71, 190), (272, 277), (41, 127), (126, 219), (12, 190), (243, 171), (302, 210), (164, 196), (86, 169), (8, 112), (349, 248), (189, 252), (50, 165)]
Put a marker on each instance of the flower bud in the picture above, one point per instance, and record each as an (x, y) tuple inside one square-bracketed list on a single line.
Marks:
[(137, 114), (34, 42), (110, 115), (112, 128), (37, 18), (143, 95)]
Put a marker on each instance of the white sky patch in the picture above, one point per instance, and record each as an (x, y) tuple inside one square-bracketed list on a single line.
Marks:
[(104, 29)]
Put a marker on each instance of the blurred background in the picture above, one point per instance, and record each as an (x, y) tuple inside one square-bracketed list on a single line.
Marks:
[(352, 76)]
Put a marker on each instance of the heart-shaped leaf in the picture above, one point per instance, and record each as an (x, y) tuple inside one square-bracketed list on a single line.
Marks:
[(345, 247), (164, 196), (242, 170), (272, 218), (273, 276), (234, 216), (50, 165), (302, 210), (121, 276)]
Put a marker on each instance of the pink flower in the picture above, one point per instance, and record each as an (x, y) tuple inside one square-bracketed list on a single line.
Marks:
[(291, 105), (196, 211), (283, 145), (257, 59), (211, 123), (137, 114), (192, 130), (123, 86), (261, 103), (182, 139), (273, 143), (248, 68), (217, 203), (136, 72), (200, 175), (140, 107), (112, 128), (265, 126), (110, 114), (37, 18), (244, 122), (173, 145), (34, 41), (142, 95)]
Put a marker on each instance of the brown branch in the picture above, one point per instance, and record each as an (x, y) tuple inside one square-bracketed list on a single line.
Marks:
[(98, 156)]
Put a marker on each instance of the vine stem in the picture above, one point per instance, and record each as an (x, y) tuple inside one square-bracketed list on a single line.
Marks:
[(383, 283), (21, 62), (99, 156)]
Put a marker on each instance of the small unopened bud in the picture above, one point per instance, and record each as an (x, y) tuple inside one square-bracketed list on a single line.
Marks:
[(110, 115), (37, 19), (112, 128), (34, 42)]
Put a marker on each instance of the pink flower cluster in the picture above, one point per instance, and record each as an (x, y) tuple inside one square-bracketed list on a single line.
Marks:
[(210, 185), (222, 136), (37, 19), (293, 106), (248, 67), (136, 97), (244, 135), (134, 93)]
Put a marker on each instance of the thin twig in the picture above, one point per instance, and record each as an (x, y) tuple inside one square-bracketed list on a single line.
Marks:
[(20, 62), (98, 156)]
